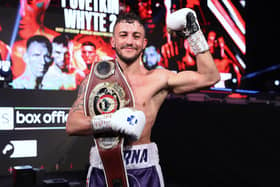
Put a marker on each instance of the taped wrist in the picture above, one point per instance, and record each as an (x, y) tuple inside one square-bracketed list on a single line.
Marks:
[(194, 35), (198, 42), (101, 122)]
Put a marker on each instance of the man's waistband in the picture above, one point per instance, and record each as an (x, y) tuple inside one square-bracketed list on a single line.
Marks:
[(135, 157)]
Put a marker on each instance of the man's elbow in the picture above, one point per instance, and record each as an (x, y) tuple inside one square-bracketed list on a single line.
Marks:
[(214, 78), (69, 130)]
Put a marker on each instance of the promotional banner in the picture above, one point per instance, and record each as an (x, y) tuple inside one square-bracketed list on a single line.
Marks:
[(51, 44)]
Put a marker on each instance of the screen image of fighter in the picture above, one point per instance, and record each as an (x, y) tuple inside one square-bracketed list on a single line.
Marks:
[(222, 22), (76, 51)]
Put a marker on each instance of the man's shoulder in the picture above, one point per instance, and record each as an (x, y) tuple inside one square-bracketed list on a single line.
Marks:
[(159, 77), (20, 82), (161, 72)]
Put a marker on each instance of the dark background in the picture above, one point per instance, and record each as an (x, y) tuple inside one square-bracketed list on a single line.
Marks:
[(209, 143), (262, 38), (214, 144)]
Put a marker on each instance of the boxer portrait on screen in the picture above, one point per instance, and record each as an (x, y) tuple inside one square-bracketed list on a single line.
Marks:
[(89, 56), (58, 77), (38, 59), (149, 89)]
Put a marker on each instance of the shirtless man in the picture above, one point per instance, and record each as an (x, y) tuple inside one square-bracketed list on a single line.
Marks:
[(150, 88)]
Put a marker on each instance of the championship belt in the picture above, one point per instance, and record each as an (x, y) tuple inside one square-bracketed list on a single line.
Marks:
[(107, 91)]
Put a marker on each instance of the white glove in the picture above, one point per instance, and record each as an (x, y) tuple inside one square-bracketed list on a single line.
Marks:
[(128, 121), (184, 22)]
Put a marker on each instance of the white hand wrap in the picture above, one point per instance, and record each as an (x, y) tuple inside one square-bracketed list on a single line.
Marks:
[(184, 22), (128, 121)]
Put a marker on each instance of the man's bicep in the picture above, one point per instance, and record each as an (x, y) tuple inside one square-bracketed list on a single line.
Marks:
[(183, 82)]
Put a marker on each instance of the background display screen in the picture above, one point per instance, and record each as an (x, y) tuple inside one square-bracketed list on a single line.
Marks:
[(75, 34)]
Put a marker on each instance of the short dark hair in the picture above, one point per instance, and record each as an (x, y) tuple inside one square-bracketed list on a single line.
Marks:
[(61, 39), (129, 17), (89, 43), (40, 39)]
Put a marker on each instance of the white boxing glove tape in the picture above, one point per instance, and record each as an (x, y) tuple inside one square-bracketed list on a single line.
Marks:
[(125, 120), (101, 122), (198, 42)]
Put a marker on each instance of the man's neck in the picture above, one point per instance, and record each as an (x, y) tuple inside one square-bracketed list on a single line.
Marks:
[(132, 68)]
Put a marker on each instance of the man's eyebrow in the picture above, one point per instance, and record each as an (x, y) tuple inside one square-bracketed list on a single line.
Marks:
[(125, 32), (138, 33)]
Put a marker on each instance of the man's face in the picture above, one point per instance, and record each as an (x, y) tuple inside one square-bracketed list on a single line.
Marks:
[(152, 56), (32, 16), (129, 41), (36, 58), (59, 54), (88, 53)]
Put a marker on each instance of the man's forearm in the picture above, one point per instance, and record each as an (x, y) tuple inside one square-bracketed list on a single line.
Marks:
[(78, 124), (207, 67)]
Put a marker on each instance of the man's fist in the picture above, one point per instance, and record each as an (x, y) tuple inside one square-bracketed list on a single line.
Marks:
[(128, 121), (185, 24)]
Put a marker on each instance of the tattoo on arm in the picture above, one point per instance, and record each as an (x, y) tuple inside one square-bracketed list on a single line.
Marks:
[(79, 103)]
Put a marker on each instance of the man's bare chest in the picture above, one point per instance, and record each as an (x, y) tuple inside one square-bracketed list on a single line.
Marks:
[(145, 92)]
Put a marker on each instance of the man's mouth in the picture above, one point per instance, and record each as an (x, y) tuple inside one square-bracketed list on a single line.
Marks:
[(129, 48)]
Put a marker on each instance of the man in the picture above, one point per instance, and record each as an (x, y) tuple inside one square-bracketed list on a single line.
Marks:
[(37, 58), (32, 19), (150, 88), (151, 58), (57, 76), (89, 55)]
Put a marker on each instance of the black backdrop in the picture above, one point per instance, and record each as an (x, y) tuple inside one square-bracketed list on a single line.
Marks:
[(211, 143), (262, 38), (214, 144)]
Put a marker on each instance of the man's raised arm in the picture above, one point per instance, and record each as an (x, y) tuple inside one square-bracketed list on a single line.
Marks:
[(184, 24)]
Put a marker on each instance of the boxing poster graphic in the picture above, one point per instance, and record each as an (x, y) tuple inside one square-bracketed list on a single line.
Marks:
[(52, 44)]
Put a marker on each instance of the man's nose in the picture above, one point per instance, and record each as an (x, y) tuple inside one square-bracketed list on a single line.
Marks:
[(42, 59), (87, 54), (129, 40)]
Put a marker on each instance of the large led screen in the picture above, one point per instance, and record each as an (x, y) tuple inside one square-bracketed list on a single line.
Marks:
[(76, 33)]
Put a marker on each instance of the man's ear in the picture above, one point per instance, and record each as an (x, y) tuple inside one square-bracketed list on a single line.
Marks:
[(145, 42), (113, 44)]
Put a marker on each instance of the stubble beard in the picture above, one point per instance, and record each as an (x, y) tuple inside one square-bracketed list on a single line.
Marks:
[(128, 60)]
